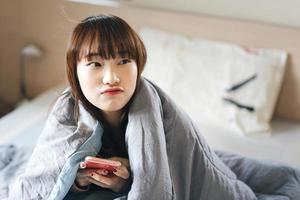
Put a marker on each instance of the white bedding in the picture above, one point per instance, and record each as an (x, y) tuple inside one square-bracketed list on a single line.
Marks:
[(23, 125), (281, 145)]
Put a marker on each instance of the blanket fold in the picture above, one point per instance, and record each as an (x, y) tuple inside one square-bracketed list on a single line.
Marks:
[(169, 158)]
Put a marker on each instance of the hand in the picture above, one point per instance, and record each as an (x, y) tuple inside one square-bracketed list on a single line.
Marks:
[(118, 181)]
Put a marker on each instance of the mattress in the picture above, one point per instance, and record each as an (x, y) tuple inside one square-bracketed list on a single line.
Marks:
[(23, 126)]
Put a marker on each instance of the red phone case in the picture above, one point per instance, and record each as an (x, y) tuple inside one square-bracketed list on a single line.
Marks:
[(98, 163)]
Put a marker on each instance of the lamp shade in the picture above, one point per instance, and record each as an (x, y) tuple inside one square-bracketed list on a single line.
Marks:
[(31, 50)]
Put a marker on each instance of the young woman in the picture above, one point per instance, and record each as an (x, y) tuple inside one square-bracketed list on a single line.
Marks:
[(154, 148), (104, 63)]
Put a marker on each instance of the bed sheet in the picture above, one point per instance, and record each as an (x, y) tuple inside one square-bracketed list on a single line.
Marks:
[(282, 145)]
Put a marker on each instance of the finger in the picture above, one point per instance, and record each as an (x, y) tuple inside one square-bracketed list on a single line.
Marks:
[(103, 179), (103, 172), (91, 180), (122, 172)]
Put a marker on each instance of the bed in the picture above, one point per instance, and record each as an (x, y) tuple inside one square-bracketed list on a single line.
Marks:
[(281, 142), (280, 145)]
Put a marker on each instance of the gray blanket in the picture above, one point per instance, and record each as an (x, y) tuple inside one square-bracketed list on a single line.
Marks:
[(169, 158)]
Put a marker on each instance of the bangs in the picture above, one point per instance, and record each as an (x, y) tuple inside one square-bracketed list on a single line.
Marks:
[(107, 39)]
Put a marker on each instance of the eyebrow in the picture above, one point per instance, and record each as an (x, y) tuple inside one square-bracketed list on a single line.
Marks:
[(95, 54), (90, 55)]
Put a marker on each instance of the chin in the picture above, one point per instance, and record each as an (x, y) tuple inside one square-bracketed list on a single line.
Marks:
[(111, 108)]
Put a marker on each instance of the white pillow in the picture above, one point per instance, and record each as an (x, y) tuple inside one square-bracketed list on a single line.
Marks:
[(198, 73)]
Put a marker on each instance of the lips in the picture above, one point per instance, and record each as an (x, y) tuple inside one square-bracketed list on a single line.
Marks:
[(112, 90)]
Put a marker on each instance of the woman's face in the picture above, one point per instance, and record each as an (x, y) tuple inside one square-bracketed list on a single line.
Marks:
[(107, 84)]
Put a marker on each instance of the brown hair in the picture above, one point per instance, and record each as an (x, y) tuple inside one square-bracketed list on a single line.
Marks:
[(107, 36)]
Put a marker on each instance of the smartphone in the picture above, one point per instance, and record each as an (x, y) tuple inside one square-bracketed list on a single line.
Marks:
[(100, 163)]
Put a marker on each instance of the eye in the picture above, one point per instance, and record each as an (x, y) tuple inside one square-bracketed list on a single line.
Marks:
[(94, 64), (124, 61)]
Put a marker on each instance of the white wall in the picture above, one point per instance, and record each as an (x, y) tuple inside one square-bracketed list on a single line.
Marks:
[(284, 12), (10, 43)]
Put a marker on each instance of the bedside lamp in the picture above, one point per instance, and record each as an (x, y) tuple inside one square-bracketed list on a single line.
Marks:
[(30, 50)]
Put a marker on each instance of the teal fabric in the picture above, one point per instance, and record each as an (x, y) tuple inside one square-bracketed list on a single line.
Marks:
[(66, 178), (63, 143)]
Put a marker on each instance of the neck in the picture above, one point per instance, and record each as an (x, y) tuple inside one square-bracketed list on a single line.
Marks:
[(114, 118)]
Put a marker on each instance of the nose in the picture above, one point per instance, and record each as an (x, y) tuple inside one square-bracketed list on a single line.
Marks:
[(110, 77)]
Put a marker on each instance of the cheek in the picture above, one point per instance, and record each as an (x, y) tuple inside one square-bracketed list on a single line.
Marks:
[(132, 79), (132, 74), (85, 82)]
